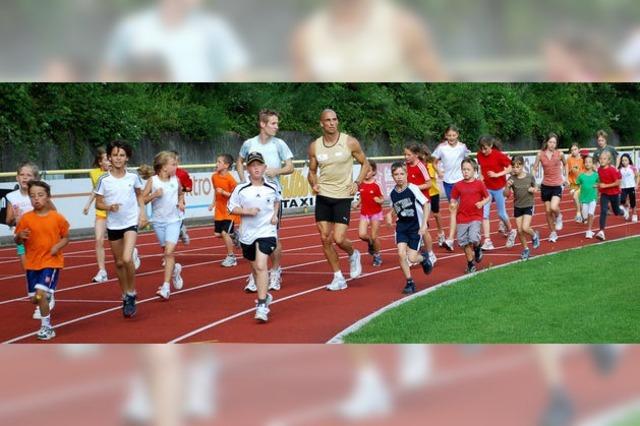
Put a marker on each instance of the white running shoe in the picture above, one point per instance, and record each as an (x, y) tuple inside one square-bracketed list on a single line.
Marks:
[(588, 234), (553, 237), (511, 239), (46, 333), (369, 399), (441, 240), (100, 277), (136, 259), (229, 261), (354, 264), (275, 279), (433, 259), (579, 218), (177, 278), (559, 224), (488, 245), (448, 245), (251, 285), (337, 284), (164, 292), (634, 218), (262, 313), (502, 228), (625, 212), (184, 236), (600, 235)]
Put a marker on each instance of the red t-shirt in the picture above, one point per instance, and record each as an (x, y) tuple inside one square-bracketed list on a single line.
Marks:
[(368, 191), (185, 179), (418, 175), (609, 174), (496, 162), (468, 194)]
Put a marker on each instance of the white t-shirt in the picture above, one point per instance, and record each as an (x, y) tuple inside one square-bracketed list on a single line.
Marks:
[(121, 191), (202, 48), (274, 152), (451, 158), (263, 197), (628, 178), (20, 204), (165, 208)]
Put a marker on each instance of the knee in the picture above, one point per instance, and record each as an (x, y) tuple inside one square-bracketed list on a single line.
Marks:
[(339, 239), (363, 236), (326, 239)]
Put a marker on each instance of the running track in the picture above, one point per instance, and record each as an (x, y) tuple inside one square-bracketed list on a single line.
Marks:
[(212, 306)]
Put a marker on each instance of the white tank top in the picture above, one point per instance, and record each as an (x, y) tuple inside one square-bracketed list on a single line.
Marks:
[(628, 178), (165, 208)]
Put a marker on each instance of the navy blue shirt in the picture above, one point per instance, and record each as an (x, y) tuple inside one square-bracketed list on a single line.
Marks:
[(408, 205)]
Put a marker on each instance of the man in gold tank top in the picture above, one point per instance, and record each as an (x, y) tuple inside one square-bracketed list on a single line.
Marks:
[(333, 155)]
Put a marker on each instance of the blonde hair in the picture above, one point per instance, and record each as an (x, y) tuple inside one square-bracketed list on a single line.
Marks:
[(161, 159), (145, 171)]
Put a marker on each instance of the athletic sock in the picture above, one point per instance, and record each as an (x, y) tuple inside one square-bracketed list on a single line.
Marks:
[(262, 302), (46, 321), (337, 274), (470, 264)]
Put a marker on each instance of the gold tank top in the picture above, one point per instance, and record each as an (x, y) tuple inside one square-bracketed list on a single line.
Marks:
[(335, 165)]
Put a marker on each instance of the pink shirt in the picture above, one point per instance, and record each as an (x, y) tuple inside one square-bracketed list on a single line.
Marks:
[(552, 168)]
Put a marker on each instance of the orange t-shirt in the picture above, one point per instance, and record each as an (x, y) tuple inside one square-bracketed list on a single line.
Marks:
[(227, 183), (46, 231), (576, 166)]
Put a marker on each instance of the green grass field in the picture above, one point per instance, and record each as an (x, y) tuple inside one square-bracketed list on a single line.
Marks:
[(587, 295)]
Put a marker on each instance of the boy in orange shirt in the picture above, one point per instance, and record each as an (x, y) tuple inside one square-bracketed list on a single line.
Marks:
[(223, 185), (44, 232)]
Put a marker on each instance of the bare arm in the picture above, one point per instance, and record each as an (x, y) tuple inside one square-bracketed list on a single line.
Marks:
[(358, 154), (142, 220), (312, 176), (536, 164), (419, 48), (10, 220), (101, 205), (92, 197), (240, 168), (59, 245), (286, 170)]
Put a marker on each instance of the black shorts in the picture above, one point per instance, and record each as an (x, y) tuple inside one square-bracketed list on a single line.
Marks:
[(118, 234), (333, 210), (223, 225), (435, 203), (265, 245), (548, 192), (521, 211)]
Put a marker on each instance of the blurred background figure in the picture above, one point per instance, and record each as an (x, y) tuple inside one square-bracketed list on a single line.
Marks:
[(172, 387), (364, 40), (193, 45), (371, 396), (628, 56)]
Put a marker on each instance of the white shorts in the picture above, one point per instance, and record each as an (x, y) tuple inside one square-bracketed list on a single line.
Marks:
[(167, 232), (588, 209)]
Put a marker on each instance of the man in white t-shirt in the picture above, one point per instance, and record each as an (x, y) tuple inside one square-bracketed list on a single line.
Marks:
[(450, 155), (279, 160)]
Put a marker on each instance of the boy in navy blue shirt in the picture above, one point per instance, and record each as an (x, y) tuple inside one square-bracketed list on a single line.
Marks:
[(408, 203)]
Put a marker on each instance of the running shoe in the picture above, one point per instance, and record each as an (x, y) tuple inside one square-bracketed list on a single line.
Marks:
[(511, 239), (600, 235), (184, 236), (470, 269), (354, 264), (553, 237), (377, 259), (46, 333), (177, 277), (536, 239), (525, 254), (275, 279), (488, 245), (477, 254), (559, 224), (129, 308), (427, 267), (433, 259), (409, 288), (100, 277), (441, 240), (448, 245), (588, 234), (338, 283), (164, 292), (251, 285), (136, 259), (229, 261)]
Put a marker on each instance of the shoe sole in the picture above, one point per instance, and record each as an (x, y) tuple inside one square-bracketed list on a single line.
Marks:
[(45, 338), (178, 282), (336, 289)]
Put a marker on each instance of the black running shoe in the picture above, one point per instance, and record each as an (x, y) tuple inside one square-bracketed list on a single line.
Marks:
[(478, 254), (409, 288), (605, 357), (129, 308), (470, 269), (426, 263)]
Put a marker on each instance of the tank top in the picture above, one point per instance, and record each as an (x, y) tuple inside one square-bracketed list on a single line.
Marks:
[(336, 168), (552, 168), (165, 208)]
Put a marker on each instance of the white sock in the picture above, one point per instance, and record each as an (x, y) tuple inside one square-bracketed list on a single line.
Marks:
[(338, 275), (431, 253), (46, 321), (165, 285)]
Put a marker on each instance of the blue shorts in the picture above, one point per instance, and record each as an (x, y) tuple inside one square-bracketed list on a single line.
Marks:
[(20, 250), (167, 232), (411, 239), (44, 279)]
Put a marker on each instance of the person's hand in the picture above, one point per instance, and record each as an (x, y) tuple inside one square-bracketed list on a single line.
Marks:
[(211, 207), (85, 211), (143, 221), (354, 189), (492, 174), (54, 250), (422, 231), (24, 234), (251, 211), (270, 173), (316, 189), (157, 193), (274, 220), (219, 191), (479, 204), (181, 206), (114, 208)]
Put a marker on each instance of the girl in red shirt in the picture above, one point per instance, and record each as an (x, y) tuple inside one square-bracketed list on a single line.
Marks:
[(609, 186), (370, 201)]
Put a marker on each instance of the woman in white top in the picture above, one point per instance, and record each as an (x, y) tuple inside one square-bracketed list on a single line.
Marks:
[(119, 192), (167, 202)]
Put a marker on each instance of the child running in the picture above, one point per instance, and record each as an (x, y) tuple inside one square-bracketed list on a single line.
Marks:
[(258, 202), (523, 186), (100, 166), (418, 175), (44, 232), (119, 192), (167, 203), (370, 201), (187, 186), (553, 162), (223, 186), (575, 166), (609, 185), (630, 179), (408, 203), (468, 198), (434, 193), (587, 183)]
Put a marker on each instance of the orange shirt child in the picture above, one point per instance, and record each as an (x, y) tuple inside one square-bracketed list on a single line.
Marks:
[(575, 166), (46, 231), (227, 183)]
